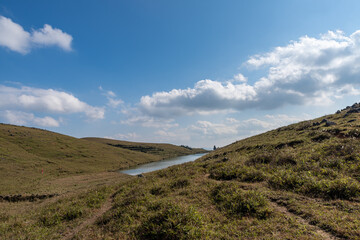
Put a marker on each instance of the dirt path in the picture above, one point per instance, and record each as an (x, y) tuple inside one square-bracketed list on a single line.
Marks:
[(104, 208), (319, 231)]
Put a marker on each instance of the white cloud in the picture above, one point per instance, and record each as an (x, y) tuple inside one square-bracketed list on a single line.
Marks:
[(308, 71), (209, 128), (166, 134), (240, 78), (272, 121), (29, 99), (111, 94), (232, 120), (232, 127), (151, 122), (206, 96), (14, 37), (48, 36), (127, 136), (23, 118), (113, 102)]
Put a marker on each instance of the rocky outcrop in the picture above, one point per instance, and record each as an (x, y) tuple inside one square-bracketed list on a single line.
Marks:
[(355, 108), (327, 122)]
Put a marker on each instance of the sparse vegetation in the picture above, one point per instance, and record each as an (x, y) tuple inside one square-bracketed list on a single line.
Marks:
[(297, 182), (31, 158), (170, 223), (238, 203)]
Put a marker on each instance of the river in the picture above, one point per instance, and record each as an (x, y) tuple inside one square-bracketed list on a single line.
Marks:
[(149, 167)]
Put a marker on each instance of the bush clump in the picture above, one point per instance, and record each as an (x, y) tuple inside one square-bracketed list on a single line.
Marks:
[(172, 222), (285, 158), (260, 158), (180, 183), (158, 190), (340, 187), (286, 179), (239, 203)]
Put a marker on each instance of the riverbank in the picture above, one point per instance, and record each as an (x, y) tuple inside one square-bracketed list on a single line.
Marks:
[(32, 158)]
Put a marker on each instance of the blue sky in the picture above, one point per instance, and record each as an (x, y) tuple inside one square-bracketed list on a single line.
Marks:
[(198, 73)]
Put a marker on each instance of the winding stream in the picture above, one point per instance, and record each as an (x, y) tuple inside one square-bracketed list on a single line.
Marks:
[(149, 167)]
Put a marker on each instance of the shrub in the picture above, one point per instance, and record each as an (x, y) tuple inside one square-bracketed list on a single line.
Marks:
[(286, 179), (172, 222), (285, 158), (72, 213), (333, 163), (180, 183), (158, 190), (261, 158), (321, 137), (341, 187), (241, 173), (240, 203)]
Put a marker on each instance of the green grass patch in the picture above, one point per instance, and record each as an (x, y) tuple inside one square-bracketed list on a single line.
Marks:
[(236, 202)]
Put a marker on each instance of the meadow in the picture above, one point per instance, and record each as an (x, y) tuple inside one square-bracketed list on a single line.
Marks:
[(300, 181)]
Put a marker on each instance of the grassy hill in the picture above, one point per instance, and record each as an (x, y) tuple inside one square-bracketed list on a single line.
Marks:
[(160, 149), (296, 182), (30, 156)]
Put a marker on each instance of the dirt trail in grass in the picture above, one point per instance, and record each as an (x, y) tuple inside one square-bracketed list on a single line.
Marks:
[(90, 221), (318, 230), (325, 235)]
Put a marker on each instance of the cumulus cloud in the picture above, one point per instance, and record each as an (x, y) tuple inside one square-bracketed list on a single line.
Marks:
[(23, 118), (48, 36), (206, 96), (307, 71), (27, 99), (240, 78), (14, 37)]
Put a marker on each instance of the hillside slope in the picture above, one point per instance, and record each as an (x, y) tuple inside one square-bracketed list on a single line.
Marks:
[(30, 155), (296, 182), (160, 149)]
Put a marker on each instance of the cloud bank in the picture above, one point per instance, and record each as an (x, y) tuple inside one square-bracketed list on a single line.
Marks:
[(306, 71), (14, 37), (23, 118), (19, 104)]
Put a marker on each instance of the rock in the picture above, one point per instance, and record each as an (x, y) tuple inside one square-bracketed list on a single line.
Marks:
[(316, 124), (354, 110), (327, 122), (140, 176)]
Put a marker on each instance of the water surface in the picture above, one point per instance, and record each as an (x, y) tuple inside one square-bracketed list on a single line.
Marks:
[(149, 167)]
